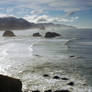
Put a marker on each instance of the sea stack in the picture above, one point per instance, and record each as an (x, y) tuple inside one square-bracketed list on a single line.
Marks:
[(51, 34), (37, 34), (8, 33), (9, 84)]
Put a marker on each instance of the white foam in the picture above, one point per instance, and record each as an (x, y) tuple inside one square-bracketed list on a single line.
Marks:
[(30, 48), (3, 52), (18, 50), (36, 81)]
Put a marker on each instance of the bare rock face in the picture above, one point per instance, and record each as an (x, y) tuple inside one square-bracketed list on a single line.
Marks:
[(8, 84), (8, 34)]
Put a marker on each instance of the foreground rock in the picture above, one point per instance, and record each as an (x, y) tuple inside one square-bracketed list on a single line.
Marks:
[(72, 56), (8, 84), (71, 83), (64, 78), (51, 35), (62, 91), (36, 91), (8, 34), (37, 34), (56, 77), (57, 91), (46, 75)]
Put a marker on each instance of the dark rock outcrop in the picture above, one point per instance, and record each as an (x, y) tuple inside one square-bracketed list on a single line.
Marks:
[(8, 34), (37, 34), (46, 75), (64, 78), (56, 34), (48, 90), (72, 56), (51, 35), (8, 84), (36, 91), (71, 83), (62, 91), (56, 77)]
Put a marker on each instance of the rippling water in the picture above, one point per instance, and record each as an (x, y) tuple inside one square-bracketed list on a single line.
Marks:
[(28, 58)]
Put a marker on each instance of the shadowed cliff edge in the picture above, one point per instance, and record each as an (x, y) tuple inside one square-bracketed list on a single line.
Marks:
[(9, 84)]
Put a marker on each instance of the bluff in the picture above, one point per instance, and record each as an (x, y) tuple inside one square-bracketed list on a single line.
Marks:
[(12, 23)]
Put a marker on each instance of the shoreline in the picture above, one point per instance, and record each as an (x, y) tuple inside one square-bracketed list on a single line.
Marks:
[(55, 82)]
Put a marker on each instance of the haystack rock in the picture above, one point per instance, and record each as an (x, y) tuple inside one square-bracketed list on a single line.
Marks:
[(8, 34), (51, 34), (37, 34), (9, 84)]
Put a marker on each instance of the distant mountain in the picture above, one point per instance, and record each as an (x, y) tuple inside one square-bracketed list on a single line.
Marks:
[(47, 25), (13, 23)]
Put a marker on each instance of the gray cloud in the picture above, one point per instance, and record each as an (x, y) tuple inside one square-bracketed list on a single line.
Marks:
[(48, 19), (37, 7), (37, 12), (42, 20), (65, 5)]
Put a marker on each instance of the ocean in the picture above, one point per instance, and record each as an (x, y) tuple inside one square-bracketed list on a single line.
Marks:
[(29, 58)]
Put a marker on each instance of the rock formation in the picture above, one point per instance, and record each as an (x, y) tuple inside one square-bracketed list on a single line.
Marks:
[(51, 35), (8, 34), (8, 84), (37, 34)]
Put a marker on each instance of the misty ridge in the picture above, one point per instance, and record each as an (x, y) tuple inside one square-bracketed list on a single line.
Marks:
[(13, 23)]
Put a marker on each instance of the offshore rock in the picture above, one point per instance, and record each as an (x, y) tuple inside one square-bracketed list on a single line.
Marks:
[(8, 34), (51, 35), (37, 34)]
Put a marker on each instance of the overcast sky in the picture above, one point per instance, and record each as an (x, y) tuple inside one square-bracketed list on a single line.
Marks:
[(70, 12)]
